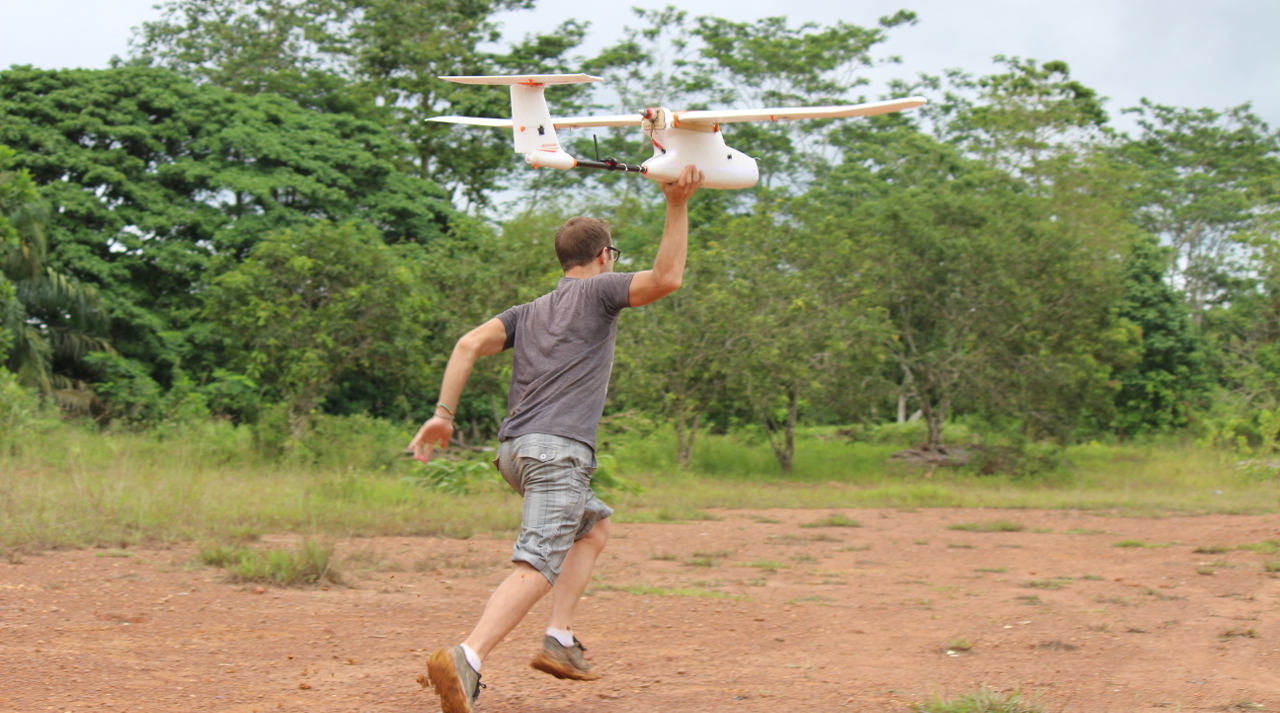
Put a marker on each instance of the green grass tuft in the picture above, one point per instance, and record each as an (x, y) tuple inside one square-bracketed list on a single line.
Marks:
[(307, 565), (1267, 547), (650, 591), (1051, 584), (765, 565), (1139, 544), (981, 701), (834, 520), (991, 526)]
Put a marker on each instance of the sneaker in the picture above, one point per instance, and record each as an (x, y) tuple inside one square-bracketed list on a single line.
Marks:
[(453, 679), (563, 661)]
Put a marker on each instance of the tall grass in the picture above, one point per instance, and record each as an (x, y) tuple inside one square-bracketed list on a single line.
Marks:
[(74, 487), (70, 486)]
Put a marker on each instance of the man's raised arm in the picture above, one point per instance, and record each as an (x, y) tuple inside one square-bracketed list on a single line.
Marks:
[(668, 267), (488, 338)]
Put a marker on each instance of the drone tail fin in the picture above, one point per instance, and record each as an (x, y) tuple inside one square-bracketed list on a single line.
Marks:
[(531, 125)]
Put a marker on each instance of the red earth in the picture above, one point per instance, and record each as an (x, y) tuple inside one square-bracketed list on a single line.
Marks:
[(752, 611)]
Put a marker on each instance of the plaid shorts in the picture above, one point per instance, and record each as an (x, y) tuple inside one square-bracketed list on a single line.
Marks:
[(553, 474)]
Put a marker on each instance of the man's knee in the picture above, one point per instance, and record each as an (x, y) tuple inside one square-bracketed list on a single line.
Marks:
[(599, 534)]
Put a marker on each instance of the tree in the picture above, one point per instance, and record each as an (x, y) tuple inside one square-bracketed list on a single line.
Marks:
[(50, 321), (1158, 392), (160, 183), (999, 300), (682, 62), (1209, 179), (375, 59), (674, 355), (314, 303)]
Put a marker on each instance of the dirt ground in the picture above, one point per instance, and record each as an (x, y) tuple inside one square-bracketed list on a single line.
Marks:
[(750, 612)]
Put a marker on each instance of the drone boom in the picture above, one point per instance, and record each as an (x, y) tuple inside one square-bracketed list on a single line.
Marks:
[(679, 137)]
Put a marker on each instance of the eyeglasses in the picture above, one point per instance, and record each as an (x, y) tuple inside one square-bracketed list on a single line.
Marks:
[(613, 252)]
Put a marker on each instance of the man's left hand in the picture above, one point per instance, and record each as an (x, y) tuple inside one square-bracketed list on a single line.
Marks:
[(435, 430)]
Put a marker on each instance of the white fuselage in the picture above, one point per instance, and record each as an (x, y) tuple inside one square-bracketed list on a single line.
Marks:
[(702, 145)]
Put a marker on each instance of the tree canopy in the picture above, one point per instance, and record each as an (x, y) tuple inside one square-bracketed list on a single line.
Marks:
[(249, 216)]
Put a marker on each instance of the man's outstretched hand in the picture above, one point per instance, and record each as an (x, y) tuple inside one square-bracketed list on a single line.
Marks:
[(679, 192), (435, 430)]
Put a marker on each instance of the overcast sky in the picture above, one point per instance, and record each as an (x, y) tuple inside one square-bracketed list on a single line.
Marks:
[(1192, 53)]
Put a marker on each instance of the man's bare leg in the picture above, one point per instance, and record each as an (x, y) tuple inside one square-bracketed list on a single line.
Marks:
[(576, 574), (560, 659), (510, 602)]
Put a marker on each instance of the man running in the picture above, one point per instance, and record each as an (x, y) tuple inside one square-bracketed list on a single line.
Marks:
[(563, 346)]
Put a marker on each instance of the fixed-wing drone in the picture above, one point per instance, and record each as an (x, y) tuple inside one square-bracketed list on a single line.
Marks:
[(679, 137)]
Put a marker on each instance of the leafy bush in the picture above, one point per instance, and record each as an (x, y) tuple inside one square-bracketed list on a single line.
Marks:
[(135, 400), (20, 411), (456, 477), (464, 477)]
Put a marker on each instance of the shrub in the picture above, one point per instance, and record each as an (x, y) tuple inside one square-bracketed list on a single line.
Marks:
[(20, 411)]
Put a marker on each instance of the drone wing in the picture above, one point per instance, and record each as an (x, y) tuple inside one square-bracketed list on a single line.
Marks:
[(571, 122), (529, 80), (579, 122), (473, 120), (724, 116)]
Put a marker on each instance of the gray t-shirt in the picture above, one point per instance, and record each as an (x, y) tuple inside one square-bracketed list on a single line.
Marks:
[(563, 344)]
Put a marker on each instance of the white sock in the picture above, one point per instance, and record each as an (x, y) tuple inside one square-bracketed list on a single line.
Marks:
[(564, 636), (472, 657)]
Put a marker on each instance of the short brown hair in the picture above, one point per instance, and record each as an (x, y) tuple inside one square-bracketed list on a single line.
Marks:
[(580, 239)]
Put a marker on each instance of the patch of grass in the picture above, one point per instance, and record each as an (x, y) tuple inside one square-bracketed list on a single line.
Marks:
[(1053, 583), (221, 554), (1082, 531), (1271, 567), (307, 565), (1249, 633), (990, 526), (834, 520), (114, 553), (803, 558), (815, 599), (1139, 544), (650, 591), (787, 540), (765, 565), (701, 562), (960, 644), (959, 546), (666, 514), (1121, 601), (75, 486), (824, 537), (764, 520), (1266, 547), (854, 548), (664, 557), (983, 700), (991, 570), (1211, 550), (1135, 629), (1091, 578), (1030, 599)]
